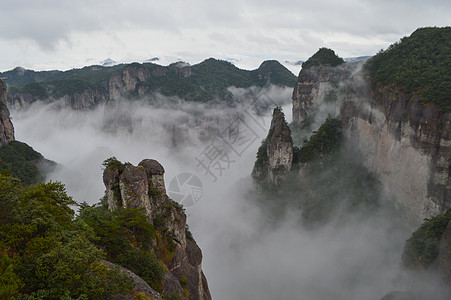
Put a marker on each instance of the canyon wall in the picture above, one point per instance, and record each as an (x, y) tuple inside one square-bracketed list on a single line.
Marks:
[(406, 143), (6, 126), (143, 186)]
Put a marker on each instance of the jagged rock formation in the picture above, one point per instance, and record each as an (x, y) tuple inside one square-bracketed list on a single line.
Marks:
[(275, 156), (314, 85), (126, 81), (90, 86), (407, 144), (143, 186), (6, 126)]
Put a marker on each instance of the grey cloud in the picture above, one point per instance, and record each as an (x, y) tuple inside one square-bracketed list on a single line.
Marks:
[(61, 34)]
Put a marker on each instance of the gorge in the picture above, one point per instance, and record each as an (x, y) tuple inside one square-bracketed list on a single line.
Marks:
[(346, 177)]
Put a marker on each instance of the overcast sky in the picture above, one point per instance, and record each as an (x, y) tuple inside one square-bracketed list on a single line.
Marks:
[(62, 34)]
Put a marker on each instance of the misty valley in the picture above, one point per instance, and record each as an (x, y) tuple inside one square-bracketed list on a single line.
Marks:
[(141, 181)]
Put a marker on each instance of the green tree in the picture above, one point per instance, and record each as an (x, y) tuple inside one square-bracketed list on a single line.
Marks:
[(9, 281)]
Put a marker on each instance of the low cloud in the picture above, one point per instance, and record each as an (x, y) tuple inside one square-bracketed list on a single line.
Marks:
[(246, 255)]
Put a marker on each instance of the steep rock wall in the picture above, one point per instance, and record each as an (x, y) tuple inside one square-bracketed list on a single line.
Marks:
[(407, 144), (314, 85), (6, 126), (143, 186), (275, 156), (123, 83)]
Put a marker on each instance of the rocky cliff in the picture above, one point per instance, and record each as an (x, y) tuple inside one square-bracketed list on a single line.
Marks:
[(316, 85), (406, 143), (6, 126), (275, 155), (87, 87), (143, 186), (403, 141)]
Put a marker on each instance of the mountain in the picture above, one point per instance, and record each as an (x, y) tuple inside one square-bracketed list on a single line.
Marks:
[(384, 127), (142, 187), (402, 131), (87, 87), (134, 244)]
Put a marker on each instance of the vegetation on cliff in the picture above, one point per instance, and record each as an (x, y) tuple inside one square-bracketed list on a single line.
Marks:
[(325, 140), (45, 253), (422, 248), (324, 56), (204, 82), (332, 179), (21, 161), (419, 64), (126, 237)]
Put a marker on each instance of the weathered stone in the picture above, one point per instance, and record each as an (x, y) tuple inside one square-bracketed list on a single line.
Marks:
[(111, 182), (134, 188), (279, 152), (155, 172), (143, 186), (182, 69), (406, 143), (125, 82), (312, 86), (6, 126)]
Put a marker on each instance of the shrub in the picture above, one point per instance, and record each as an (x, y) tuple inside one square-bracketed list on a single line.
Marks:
[(422, 248), (323, 56)]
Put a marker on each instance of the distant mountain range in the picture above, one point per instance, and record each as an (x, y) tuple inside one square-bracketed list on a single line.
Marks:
[(202, 82)]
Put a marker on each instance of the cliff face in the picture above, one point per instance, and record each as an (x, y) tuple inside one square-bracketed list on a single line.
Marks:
[(275, 156), (87, 87), (314, 85), (407, 144), (126, 81), (143, 186), (6, 126), (86, 99)]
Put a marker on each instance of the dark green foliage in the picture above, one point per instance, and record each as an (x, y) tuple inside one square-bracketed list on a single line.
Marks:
[(422, 248), (126, 236), (326, 139), (188, 233), (153, 192), (183, 281), (209, 80), (332, 180), (22, 161), (262, 154), (113, 162), (142, 263), (419, 64), (271, 71), (9, 281), (324, 188), (173, 297), (323, 56), (49, 255), (35, 89)]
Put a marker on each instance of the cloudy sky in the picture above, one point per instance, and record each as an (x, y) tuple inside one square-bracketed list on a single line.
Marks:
[(62, 34)]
